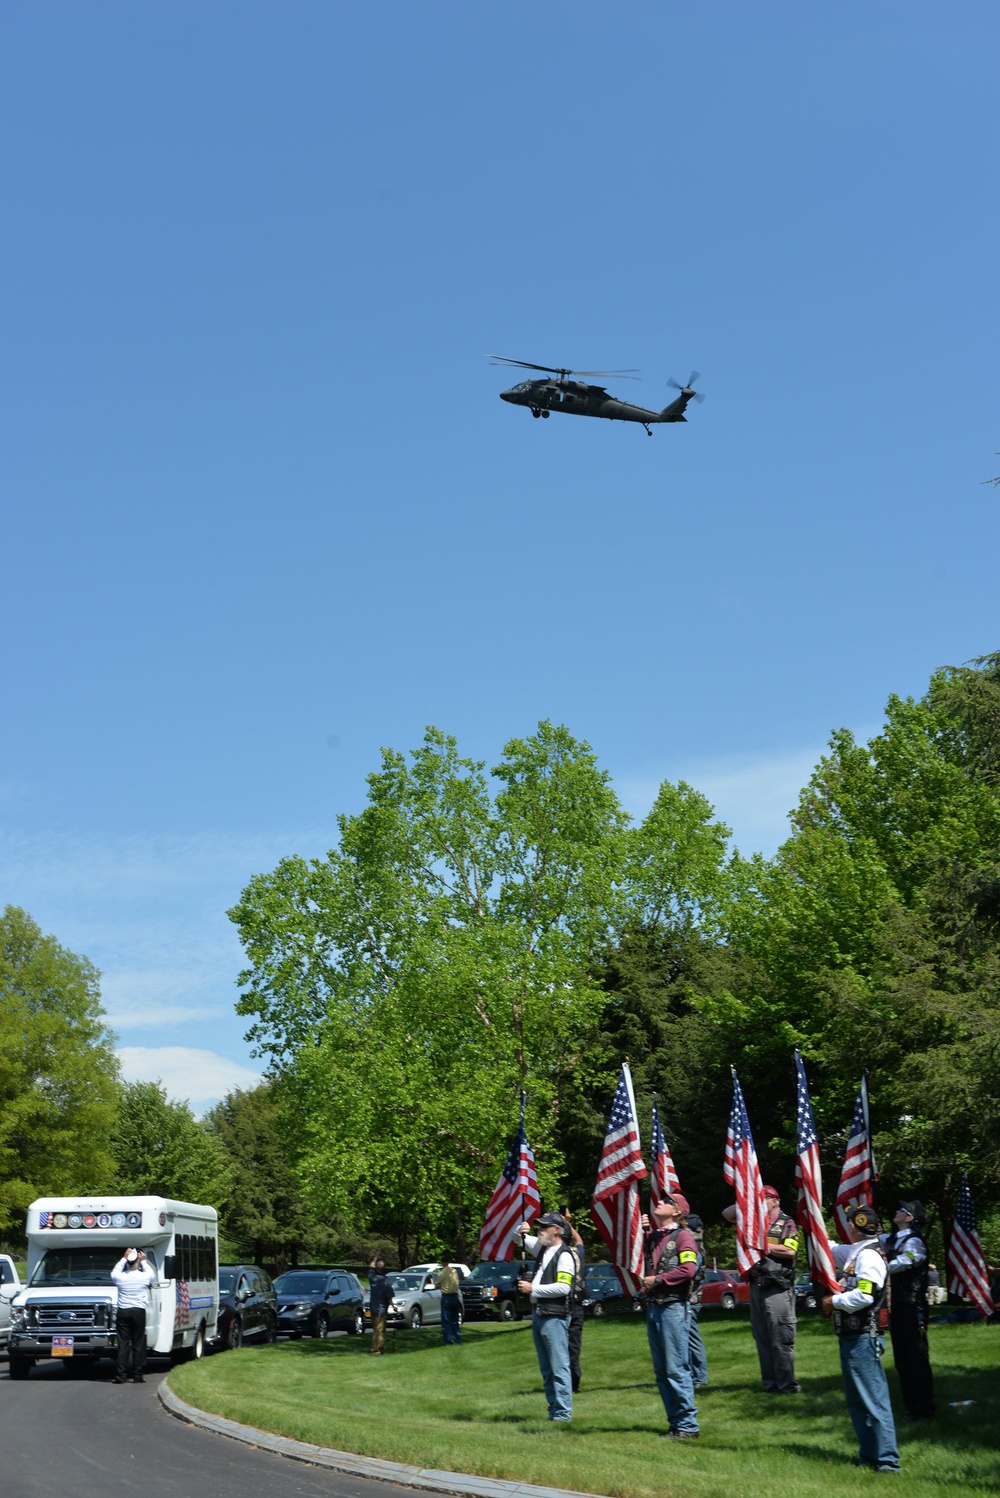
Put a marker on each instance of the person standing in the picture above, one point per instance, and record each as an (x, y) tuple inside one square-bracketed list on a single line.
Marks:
[(579, 1253), (772, 1298), (379, 1301), (696, 1347), (670, 1259), (906, 1250), (446, 1280), (858, 1312), (551, 1291), (132, 1278)]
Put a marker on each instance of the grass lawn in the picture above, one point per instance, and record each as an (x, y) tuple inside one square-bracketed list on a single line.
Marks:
[(479, 1408)]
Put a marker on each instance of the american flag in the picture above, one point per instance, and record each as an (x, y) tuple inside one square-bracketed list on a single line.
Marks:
[(663, 1178), (808, 1178), (967, 1274), (616, 1210), (855, 1189), (743, 1174), (515, 1199)]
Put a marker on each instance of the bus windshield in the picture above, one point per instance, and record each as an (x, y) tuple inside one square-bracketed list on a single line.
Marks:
[(79, 1266)]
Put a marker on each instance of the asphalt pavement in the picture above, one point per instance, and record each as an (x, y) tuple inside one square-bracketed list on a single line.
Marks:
[(89, 1438)]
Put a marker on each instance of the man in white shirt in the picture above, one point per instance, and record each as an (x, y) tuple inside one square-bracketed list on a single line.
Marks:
[(551, 1288), (132, 1278), (857, 1312)]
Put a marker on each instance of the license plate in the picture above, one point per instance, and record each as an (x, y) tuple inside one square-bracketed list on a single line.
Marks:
[(62, 1347)]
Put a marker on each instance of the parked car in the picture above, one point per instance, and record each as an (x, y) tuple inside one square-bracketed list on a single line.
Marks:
[(316, 1302), (603, 1291), (490, 1292), (416, 1299), (248, 1306), (806, 1298), (10, 1284), (723, 1287), (463, 1269)]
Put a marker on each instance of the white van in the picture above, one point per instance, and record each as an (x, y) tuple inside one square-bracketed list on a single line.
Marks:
[(67, 1307)]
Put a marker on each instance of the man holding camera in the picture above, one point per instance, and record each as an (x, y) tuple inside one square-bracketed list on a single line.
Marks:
[(132, 1277), (551, 1291)]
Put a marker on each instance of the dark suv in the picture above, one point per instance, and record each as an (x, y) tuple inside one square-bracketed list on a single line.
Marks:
[(248, 1309), (490, 1292), (316, 1302), (603, 1291)]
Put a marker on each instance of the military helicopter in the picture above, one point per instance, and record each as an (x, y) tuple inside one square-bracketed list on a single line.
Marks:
[(579, 399)]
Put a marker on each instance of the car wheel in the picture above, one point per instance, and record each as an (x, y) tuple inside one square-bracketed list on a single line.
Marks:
[(508, 1310), (728, 1302), (234, 1334), (598, 1308), (358, 1329), (416, 1320), (322, 1325), (810, 1302)]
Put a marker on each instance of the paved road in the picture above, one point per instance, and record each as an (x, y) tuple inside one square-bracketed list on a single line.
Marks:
[(89, 1438)]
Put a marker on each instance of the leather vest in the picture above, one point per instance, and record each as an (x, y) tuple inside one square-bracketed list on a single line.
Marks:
[(555, 1305), (772, 1272), (909, 1286), (668, 1257), (872, 1319)]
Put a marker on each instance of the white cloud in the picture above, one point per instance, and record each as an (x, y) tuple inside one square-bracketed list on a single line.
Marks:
[(198, 1077), (752, 796)]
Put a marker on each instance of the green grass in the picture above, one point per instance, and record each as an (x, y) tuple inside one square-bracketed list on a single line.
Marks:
[(479, 1408)]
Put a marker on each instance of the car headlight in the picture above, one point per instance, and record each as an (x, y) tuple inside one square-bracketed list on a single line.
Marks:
[(18, 1318), (490, 1293)]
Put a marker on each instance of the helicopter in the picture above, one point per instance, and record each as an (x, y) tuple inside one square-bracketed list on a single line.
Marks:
[(576, 398)]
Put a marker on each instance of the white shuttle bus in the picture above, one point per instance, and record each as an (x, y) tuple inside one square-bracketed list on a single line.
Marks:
[(67, 1307)]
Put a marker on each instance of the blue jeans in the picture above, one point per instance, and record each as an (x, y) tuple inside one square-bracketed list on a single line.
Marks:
[(696, 1349), (551, 1334), (668, 1331), (450, 1306), (868, 1399)]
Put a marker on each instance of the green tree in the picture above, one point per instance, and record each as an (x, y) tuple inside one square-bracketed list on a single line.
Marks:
[(162, 1150), (264, 1214), (57, 1070)]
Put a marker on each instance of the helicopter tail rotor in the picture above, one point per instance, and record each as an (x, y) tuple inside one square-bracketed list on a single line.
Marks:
[(688, 389)]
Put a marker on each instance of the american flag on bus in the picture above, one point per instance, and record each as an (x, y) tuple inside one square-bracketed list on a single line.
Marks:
[(663, 1178), (858, 1174), (743, 1174), (616, 1210), (808, 1178), (515, 1199), (967, 1274)]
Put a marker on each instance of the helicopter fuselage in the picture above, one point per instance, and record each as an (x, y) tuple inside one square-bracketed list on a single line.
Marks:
[(576, 398)]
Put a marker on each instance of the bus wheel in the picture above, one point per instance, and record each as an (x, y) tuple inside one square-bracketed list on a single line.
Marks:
[(197, 1349)]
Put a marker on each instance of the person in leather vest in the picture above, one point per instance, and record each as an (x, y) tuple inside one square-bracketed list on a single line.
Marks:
[(859, 1311), (670, 1262), (551, 1291), (772, 1299), (906, 1251)]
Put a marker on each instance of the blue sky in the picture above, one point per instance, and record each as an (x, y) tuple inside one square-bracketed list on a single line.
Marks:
[(264, 513)]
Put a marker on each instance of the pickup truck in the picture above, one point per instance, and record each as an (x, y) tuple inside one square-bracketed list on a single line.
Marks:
[(10, 1284)]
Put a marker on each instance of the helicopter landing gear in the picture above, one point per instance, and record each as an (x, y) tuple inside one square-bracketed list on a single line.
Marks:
[(535, 412), (546, 415), (649, 430)]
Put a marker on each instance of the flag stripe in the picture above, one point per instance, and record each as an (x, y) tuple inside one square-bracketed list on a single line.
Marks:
[(858, 1174), (663, 1178), (514, 1200), (742, 1172), (968, 1277), (616, 1208), (809, 1179)]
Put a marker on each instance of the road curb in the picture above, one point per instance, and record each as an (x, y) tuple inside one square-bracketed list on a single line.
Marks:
[(427, 1478)]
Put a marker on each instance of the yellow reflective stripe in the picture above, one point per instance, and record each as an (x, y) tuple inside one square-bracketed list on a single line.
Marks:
[(688, 1257), (865, 1286), (563, 1278), (792, 1242)]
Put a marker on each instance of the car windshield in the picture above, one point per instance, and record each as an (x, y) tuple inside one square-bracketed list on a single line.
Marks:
[(79, 1266), (491, 1274), (226, 1277), (406, 1281), (299, 1284), (602, 1272)]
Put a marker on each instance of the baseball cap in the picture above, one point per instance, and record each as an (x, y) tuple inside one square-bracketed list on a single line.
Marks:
[(552, 1220), (865, 1219), (770, 1193), (915, 1210), (680, 1202)]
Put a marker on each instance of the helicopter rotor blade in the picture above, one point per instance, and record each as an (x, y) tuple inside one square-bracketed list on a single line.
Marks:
[(674, 385), (627, 374)]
